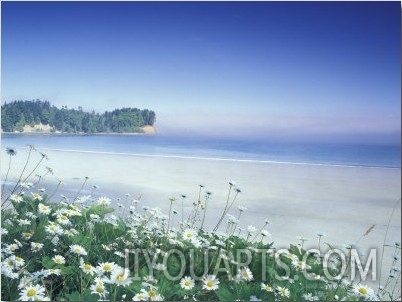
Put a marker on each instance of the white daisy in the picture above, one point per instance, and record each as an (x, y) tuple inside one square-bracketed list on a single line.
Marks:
[(99, 290), (103, 201), (106, 267), (245, 274), (187, 283), (210, 282), (141, 296), (43, 209), (32, 293), (283, 291), (251, 229), (63, 219), (266, 287), (189, 234), (36, 246), (78, 249), (54, 229), (120, 276), (22, 222), (58, 259), (16, 198), (87, 268), (36, 196), (362, 291)]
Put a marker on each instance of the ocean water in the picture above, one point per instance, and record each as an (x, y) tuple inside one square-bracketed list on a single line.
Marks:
[(388, 156)]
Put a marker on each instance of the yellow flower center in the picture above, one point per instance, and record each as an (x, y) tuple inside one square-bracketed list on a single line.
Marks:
[(189, 235), (10, 263), (63, 217), (267, 288), (100, 289), (31, 292), (210, 284), (245, 275), (87, 267), (187, 283), (120, 277), (152, 293), (107, 267), (363, 290)]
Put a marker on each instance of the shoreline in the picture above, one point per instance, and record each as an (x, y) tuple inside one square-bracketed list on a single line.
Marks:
[(147, 130), (224, 159)]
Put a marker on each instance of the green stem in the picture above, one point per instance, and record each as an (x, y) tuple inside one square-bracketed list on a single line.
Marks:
[(5, 180)]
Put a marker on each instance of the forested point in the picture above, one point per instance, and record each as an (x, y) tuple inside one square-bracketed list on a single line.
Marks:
[(17, 114)]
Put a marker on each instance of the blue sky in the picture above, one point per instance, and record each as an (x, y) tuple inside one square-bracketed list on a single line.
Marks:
[(291, 70)]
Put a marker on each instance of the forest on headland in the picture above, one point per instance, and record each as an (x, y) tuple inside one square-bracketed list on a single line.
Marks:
[(17, 114)]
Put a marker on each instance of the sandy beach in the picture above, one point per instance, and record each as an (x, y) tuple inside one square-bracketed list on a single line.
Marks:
[(342, 202), (298, 199)]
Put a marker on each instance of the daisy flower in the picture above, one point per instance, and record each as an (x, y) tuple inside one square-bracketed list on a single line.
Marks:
[(106, 267), (26, 236), (189, 234), (120, 276), (78, 249), (26, 185), (245, 274), (22, 222), (103, 201), (8, 264), (283, 291), (154, 296), (11, 248), (310, 297), (36, 246), (63, 219), (160, 267), (87, 268), (19, 262), (37, 196), (32, 293), (266, 287), (187, 283), (54, 271), (150, 279), (300, 265), (71, 232), (99, 290), (141, 296), (362, 291), (43, 209), (251, 229), (53, 229), (24, 282), (58, 259), (16, 198), (210, 282)]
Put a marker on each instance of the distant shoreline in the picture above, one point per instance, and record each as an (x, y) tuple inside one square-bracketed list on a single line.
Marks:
[(75, 134), (148, 130)]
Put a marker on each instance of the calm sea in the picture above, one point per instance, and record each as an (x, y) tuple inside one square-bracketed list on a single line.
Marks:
[(223, 149)]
